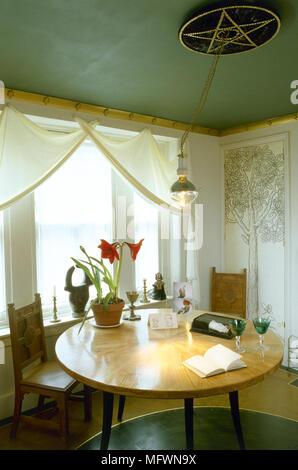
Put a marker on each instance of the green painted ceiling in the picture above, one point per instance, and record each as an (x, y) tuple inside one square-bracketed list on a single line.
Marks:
[(125, 54)]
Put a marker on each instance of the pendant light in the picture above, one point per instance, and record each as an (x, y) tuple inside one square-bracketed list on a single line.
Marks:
[(183, 191), (224, 30)]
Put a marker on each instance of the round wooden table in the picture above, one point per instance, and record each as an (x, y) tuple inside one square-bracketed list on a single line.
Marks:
[(135, 360)]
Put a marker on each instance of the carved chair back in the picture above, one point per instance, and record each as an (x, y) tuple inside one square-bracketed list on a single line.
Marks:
[(27, 336), (229, 293)]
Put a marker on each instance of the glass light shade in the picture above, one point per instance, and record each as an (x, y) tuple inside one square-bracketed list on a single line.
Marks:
[(183, 191)]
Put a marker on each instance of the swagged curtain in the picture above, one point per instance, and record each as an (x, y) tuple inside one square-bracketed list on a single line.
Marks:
[(29, 154)]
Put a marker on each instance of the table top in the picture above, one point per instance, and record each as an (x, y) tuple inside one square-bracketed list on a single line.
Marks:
[(135, 360)]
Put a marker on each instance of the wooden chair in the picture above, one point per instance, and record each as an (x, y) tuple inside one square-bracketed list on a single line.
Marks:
[(35, 374), (229, 293)]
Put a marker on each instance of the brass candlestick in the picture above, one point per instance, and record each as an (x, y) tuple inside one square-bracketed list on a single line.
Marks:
[(132, 297), (144, 300), (55, 319)]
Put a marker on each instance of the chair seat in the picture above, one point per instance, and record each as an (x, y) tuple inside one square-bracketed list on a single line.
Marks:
[(48, 375)]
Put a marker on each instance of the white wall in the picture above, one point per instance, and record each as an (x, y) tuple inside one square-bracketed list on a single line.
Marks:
[(206, 175)]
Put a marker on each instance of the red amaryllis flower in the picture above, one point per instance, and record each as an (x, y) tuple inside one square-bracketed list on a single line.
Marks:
[(108, 250), (135, 248)]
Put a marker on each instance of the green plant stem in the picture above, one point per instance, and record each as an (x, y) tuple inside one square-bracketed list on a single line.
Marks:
[(86, 313), (99, 290), (118, 272)]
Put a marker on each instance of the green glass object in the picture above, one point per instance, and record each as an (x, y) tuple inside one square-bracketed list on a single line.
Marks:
[(237, 328), (261, 325)]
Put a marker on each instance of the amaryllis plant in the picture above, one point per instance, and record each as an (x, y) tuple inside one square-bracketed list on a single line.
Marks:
[(99, 273)]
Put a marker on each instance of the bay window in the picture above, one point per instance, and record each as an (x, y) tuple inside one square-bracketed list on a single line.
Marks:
[(84, 201)]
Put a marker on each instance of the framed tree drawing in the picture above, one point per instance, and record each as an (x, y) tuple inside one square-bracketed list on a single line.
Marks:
[(255, 229)]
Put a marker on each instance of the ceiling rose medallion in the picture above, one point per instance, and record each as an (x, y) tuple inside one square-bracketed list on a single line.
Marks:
[(242, 28)]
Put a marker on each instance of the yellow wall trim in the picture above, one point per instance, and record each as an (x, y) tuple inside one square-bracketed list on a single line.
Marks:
[(252, 126), (74, 106)]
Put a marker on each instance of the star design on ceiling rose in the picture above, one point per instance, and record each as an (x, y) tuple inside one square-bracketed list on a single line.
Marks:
[(232, 34)]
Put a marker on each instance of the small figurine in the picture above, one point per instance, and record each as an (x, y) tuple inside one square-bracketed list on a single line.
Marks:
[(158, 288), (78, 295)]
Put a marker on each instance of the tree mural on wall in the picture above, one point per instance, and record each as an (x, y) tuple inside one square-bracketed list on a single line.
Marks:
[(254, 199)]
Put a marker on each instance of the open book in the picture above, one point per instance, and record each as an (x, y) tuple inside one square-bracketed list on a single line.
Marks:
[(216, 360)]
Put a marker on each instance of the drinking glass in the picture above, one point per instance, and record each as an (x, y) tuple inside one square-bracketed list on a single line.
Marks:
[(237, 328), (261, 325)]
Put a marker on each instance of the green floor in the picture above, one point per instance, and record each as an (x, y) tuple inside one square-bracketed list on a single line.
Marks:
[(213, 430)]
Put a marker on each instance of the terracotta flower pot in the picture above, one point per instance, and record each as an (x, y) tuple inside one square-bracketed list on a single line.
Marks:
[(111, 316)]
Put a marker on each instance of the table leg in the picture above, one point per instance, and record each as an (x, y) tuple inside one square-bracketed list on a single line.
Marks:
[(121, 407), (234, 402), (188, 416), (108, 401)]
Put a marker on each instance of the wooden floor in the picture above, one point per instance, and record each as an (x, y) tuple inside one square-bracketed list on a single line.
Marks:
[(275, 395)]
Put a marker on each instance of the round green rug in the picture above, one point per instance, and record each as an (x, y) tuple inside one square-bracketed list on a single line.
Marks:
[(213, 430)]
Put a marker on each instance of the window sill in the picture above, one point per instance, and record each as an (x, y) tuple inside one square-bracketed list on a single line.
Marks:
[(66, 321)]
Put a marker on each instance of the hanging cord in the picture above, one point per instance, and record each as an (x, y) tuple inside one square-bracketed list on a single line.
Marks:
[(203, 98)]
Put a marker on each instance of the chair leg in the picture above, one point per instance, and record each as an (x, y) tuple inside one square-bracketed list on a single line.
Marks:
[(87, 402), (63, 416), (16, 414), (121, 407), (41, 399)]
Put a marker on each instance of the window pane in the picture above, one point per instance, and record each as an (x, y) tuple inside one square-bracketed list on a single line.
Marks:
[(73, 208), (146, 226), (2, 273)]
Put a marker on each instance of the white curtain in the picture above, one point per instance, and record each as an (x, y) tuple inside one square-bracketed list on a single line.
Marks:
[(140, 161), (29, 154)]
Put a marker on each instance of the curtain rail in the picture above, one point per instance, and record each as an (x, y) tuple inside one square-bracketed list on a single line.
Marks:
[(74, 106)]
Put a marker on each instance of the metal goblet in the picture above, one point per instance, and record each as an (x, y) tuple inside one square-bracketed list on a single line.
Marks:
[(132, 297)]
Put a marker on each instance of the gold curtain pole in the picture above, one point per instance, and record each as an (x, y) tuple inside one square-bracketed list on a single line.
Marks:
[(74, 106)]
